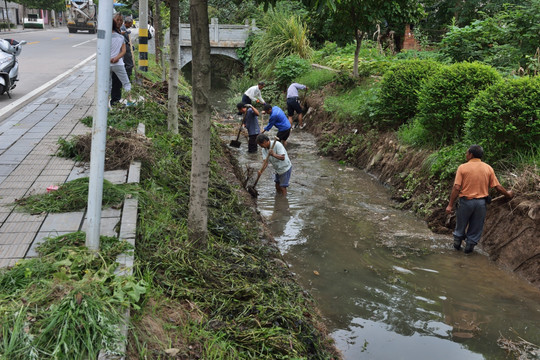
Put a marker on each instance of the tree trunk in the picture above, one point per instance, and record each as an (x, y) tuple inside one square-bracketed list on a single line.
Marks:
[(158, 41), (172, 103), (359, 36), (200, 153)]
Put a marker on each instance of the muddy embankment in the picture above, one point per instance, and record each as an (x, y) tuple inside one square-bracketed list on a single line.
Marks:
[(512, 229)]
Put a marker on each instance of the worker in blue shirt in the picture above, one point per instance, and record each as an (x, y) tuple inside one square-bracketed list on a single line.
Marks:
[(279, 120)]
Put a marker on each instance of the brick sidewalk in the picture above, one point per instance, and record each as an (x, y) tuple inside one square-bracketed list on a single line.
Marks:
[(28, 142)]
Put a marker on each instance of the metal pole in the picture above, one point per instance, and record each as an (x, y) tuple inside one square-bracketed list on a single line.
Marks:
[(143, 35), (99, 127)]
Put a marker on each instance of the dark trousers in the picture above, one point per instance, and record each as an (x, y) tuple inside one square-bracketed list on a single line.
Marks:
[(116, 89), (252, 143), (246, 99), (470, 218)]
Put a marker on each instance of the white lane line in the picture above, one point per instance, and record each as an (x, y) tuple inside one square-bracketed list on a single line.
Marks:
[(43, 87), (84, 42)]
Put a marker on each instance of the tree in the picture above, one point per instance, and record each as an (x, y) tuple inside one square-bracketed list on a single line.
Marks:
[(172, 103), (43, 4), (358, 17), (200, 157)]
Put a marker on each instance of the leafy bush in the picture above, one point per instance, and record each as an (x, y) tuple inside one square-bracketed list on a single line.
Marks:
[(289, 68), (505, 117), (399, 90), (443, 99), (342, 58)]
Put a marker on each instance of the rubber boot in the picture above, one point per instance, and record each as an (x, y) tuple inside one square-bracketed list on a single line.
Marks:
[(469, 248), (457, 243)]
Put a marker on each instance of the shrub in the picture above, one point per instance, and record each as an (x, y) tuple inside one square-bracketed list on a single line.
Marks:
[(289, 68), (444, 98), (505, 117), (444, 163), (399, 90), (284, 35)]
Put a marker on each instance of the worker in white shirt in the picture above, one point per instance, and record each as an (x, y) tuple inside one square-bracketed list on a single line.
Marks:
[(253, 94)]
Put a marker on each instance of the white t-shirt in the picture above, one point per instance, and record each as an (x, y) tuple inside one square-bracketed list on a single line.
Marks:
[(280, 166), (117, 40), (254, 93)]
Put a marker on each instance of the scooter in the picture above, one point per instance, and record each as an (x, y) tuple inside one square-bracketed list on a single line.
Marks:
[(9, 66)]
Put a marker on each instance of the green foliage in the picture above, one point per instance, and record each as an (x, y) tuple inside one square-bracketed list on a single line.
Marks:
[(68, 149), (503, 40), (87, 120), (72, 196), (445, 97), (358, 105), (399, 91), (505, 118), (316, 78), (283, 35), (58, 5), (287, 69), (443, 163), (342, 57)]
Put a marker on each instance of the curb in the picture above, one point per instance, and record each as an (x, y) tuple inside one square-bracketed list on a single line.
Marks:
[(128, 231)]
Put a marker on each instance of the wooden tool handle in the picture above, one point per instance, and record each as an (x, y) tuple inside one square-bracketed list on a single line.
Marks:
[(265, 162)]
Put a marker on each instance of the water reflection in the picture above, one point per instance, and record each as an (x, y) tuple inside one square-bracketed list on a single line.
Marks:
[(387, 287)]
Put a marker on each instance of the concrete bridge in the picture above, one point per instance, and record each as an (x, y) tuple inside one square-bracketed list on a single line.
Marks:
[(224, 39)]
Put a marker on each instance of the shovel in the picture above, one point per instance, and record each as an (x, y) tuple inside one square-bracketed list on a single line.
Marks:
[(251, 189), (236, 143)]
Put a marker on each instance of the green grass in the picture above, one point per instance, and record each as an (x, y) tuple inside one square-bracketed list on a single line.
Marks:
[(65, 304), (358, 105), (316, 78), (73, 196)]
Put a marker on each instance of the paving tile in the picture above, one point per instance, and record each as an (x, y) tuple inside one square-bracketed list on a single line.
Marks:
[(4, 263), (17, 184), (7, 169), (13, 251), (22, 216), (21, 238), (108, 213), (52, 179), (19, 227), (116, 176), (70, 222), (108, 226)]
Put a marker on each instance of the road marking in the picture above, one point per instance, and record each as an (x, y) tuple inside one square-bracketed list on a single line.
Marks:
[(56, 38), (43, 87), (84, 42), (33, 42)]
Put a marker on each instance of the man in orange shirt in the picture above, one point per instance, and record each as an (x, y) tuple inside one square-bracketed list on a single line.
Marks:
[(472, 184)]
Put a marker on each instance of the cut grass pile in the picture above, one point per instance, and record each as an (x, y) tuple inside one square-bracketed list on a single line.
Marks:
[(67, 303), (73, 196)]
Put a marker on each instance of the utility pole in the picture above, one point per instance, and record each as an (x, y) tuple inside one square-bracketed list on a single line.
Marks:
[(99, 127), (143, 35)]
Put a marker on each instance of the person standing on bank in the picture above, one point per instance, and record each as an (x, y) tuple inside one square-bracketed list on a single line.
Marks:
[(293, 102), (472, 184), (279, 120), (253, 94), (116, 90), (251, 123), (279, 159)]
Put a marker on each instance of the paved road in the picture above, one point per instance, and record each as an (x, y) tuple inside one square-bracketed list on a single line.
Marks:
[(48, 54)]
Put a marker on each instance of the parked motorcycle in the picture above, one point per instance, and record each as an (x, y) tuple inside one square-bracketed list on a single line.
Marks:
[(9, 66)]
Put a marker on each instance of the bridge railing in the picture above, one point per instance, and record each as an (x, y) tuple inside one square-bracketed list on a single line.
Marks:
[(221, 35)]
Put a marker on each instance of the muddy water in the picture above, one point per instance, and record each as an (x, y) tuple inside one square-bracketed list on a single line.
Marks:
[(387, 287)]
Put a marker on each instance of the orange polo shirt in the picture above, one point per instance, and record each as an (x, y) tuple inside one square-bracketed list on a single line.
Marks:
[(475, 178)]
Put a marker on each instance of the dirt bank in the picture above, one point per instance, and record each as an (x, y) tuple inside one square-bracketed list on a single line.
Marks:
[(512, 228)]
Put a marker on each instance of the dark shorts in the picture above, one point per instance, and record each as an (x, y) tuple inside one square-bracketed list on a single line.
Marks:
[(283, 135), (246, 99), (293, 105), (283, 179)]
